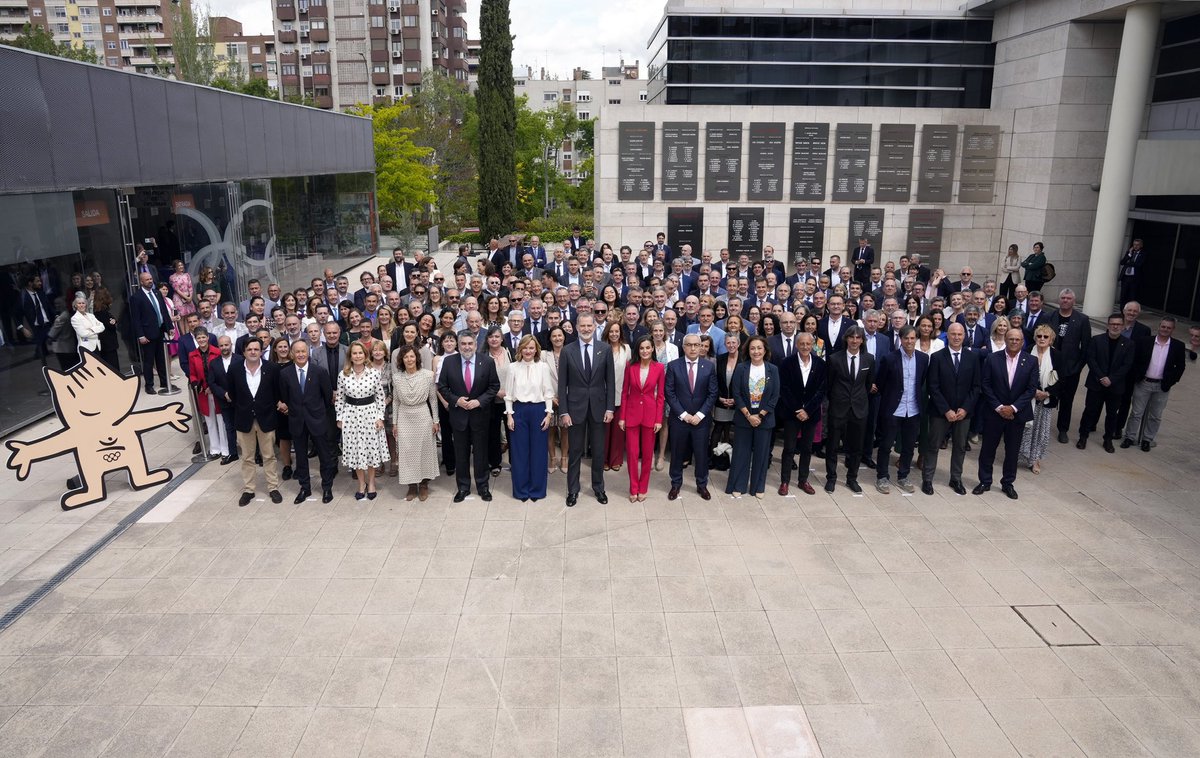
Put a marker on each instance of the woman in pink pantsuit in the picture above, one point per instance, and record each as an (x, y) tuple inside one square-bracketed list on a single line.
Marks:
[(641, 414)]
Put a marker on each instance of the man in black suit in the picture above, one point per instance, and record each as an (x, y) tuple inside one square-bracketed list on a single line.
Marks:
[(901, 381), (1072, 331), (1109, 361), (851, 378), (305, 396), (400, 271), (1131, 271), (964, 284), (510, 254), (577, 240), (661, 246), (954, 387), (586, 402), (217, 374), (1159, 365), (1135, 331), (832, 328), (691, 392), (469, 383), (38, 314), (864, 258), (1010, 379), (253, 387), (150, 321), (783, 345), (802, 379)]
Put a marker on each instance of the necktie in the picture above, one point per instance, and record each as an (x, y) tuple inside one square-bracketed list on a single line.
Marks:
[(956, 363), (467, 376), (301, 380), (587, 360), (537, 326), (692, 375), (853, 368), (787, 347), (154, 302)]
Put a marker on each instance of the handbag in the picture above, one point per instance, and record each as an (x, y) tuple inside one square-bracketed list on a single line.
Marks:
[(1048, 273)]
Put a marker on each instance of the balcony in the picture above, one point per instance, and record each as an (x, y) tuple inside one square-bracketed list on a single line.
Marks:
[(18, 17), (287, 36), (320, 80), (378, 32), (324, 101), (410, 32), (285, 12), (319, 35), (14, 4), (318, 11), (383, 77), (381, 56), (413, 78)]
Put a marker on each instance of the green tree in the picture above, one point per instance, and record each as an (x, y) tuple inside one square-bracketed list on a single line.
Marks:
[(39, 40), (404, 179), (192, 44), (259, 88), (444, 120), (497, 122)]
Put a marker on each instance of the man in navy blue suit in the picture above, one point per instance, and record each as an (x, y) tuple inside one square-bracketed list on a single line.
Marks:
[(954, 387), (150, 320), (900, 380), (691, 390), (1010, 379)]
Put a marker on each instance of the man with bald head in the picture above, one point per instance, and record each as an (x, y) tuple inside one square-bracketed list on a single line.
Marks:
[(150, 321), (305, 396)]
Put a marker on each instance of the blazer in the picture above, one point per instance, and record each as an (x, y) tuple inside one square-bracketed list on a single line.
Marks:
[(307, 409), (1071, 338), (863, 261), (741, 395), (997, 391), (1138, 331), (823, 333), (408, 270), (680, 396), (582, 397), (890, 380), (142, 319), (30, 310), (218, 379), (883, 344), (1172, 371), (260, 407), (320, 356), (1099, 367), (795, 394), (642, 404), (947, 287), (948, 390), (849, 396), (977, 338), (484, 385)]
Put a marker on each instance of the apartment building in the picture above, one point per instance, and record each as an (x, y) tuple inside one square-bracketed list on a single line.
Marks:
[(344, 52), (133, 35), (250, 55)]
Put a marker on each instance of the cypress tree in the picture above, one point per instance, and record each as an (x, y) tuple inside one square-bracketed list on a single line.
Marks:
[(497, 122)]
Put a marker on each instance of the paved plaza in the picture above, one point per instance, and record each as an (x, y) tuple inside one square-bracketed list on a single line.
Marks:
[(1064, 623)]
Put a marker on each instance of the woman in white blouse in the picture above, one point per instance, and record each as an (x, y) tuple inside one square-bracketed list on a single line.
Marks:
[(529, 406), (87, 327)]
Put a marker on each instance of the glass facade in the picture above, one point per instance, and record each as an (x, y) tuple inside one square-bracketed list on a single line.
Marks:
[(856, 61), (1177, 76), (276, 230), (1172, 279)]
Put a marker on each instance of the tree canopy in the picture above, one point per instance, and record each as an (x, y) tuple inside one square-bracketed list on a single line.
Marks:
[(38, 39), (404, 178)]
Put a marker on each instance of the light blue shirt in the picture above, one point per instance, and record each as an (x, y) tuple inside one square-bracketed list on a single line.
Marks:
[(908, 398)]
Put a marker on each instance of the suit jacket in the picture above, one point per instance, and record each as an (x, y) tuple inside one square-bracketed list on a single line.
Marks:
[(997, 391), (485, 383), (795, 394), (307, 409), (741, 395), (890, 380), (558, 268), (1131, 263), (539, 255), (883, 344), (408, 270), (862, 262), (977, 338), (1072, 335), (1172, 371), (218, 379), (1138, 331), (849, 396), (142, 318), (580, 396), (1099, 366), (30, 310), (507, 255), (949, 391), (680, 396), (775, 343), (259, 407), (752, 300), (947, 287), (642, 404), (823, 333)]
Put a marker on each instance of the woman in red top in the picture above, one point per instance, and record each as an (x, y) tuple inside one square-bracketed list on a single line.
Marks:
[(198, 360), (641, 412)]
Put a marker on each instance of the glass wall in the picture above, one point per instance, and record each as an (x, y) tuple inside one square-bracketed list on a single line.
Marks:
[(1172, 278)]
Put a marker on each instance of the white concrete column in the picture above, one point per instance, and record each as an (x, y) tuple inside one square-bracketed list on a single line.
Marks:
[(1130, 93)]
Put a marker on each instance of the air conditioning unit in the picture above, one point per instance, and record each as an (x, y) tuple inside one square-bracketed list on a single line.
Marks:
[(396, 53), (394, 7)]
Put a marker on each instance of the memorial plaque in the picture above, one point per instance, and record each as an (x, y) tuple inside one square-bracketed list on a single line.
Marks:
[(806, 233), (851, 161), (936, 182), (745, 232), (680, 158), (893, 175), (722, 160), (685, 226), (810, 160), (635, 156), (977, 175), (867, 222), (766, 162), (925, 234)]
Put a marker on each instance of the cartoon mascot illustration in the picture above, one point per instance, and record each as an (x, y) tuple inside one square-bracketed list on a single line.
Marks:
[(100, 427)]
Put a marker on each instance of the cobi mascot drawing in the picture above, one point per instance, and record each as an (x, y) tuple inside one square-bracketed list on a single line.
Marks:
[(100, 427)]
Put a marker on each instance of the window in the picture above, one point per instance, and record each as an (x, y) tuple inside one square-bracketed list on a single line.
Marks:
[(549, 97), (320, 68), (381, 92), (393, 25), (256, 49), (62, 29), (612, 101), (583, 97), (124, 44), (567, 96), (88, 28), (520, 82), (104, 11), (36, 12), (112, 62), (583, 115), (318, 23), (614, 82), (411, 21), (285, 26), (377, 22), (412, 68), (643, 96), (86, 11), (60, 12), (110, 45), (289, 69), (108, 28)]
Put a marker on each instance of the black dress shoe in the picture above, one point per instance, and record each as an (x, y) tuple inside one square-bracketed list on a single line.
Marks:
[(287, 473), (372, 495), (1009, 490), (485, 495), (1145, 446), (275, 496), (258, 460), (601, 498), (359, 495), (196, 449), (1127, 443), (327, 496), (673, 494), (853, 487), (460, 496), (927, 487), (149, 391), (572, 498), (868, 462), (980, 489), (302, 495), (1081, 444), (829, 485), (1062, 437), (245, 499), (703, 492), (228, 460), (958, 487), (1108, 447)]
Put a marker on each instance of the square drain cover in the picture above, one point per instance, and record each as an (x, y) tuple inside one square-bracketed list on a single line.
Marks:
[(1053, 625)]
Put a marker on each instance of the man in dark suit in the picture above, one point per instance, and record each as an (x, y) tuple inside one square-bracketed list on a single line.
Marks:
[(305, 396), (253, 386), (1159, 365), (469, 383), (901, 382), (1131, 271), (1072, 331), (783, 345), (802, 384), (863, 257), (661, 246), (218, 381), (691, 392), (1109, 361), (400, 271), (851, 377), (150, 321), (964, 284), (1009, 381), (586, 402), (954, 386), (38, 314), (975, 333), (1135, 331), (508, 254), (332, 355), (577, 239), (833, 327)]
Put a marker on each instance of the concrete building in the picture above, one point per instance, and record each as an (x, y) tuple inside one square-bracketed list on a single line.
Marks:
[(134, 35), (251, 56), (949, 128), (362, 51)]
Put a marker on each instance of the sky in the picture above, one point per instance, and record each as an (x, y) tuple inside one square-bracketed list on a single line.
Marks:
[(550, 34)]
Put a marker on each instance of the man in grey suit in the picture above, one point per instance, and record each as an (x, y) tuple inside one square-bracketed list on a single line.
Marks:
[(332, 355), (587, 400)]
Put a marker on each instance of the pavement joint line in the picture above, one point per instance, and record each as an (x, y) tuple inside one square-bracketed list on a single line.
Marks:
[(76, 563)]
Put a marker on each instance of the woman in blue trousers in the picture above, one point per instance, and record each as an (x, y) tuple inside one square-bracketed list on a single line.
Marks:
[(529, 404), (755, 393)]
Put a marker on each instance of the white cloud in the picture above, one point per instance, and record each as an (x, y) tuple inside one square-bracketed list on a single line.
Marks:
[(255, 15)]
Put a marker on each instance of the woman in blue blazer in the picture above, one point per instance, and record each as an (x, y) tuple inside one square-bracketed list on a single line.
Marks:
[(755, 393)]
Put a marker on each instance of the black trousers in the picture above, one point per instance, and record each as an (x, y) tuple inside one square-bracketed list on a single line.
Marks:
[(1125, 404), (230, 432), (1067, 386), (872, 429), (907, 430), (797, 437), (448, 435), (1095, 401), (689, 443), (582, 433), (996, 429), (470, 448), (1129, 289), (850, 432), (153, 356), (325, 459), (496, 435)]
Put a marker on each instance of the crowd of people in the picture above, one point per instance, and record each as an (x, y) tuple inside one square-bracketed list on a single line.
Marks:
[(533, 359)]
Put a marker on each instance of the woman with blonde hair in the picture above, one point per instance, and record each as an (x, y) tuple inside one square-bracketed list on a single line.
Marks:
[(359, 405), (529, 392), (1037, 433)]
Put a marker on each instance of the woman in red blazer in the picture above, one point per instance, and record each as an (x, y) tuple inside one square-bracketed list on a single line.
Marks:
[(641, 412)]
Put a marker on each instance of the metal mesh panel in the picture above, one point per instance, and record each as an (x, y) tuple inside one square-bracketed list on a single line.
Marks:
[(322, 145), (25, 160), (72, 129), (212, 135), (156, 165), (256, 137), (112, 107), (305, 123), (287, 135), (233, 130), (184, 123), (273, 128)]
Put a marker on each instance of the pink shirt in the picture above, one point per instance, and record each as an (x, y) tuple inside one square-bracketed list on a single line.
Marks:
[(1158, 359)]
